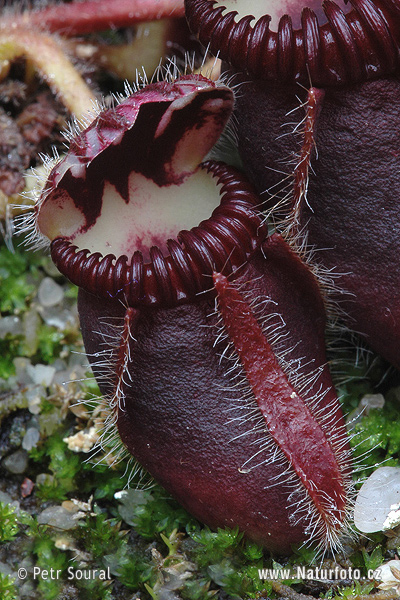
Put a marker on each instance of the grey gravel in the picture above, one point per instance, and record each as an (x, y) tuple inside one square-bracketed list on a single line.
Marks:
[(58, 516), (16, 463), (50, 293), (10, 324), (31, 438)]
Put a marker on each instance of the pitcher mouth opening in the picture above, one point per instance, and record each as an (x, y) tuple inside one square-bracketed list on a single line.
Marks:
[(176, 270)]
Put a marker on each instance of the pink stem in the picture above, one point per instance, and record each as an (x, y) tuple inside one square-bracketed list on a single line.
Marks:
[(96, 15)]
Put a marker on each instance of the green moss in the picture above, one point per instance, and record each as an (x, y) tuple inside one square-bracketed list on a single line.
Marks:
[(49, 343), (151, 513), (8, 590), (214, 545), (374, 559), (101, 481), (16, 272), (9, 349), (229, 561), (62, 464), (377, 437), (8, 522), (98, 533), (354, 591)]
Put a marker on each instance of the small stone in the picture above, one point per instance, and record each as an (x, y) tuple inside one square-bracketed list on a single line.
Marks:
[(34, 396), (27, 590), (49, 267), (5, 498), (31, 438), (5, 569), (41, 374), (27, 487), (11, 325), (372, 401), (59, 364), (59, 517), (61, 377), (16, 463), (61, 319), (78, 359), (21, 365), (65, 542), (75, 506), (366, 404), (31, 323), (76, 373), (11, 436), (50, 293), (377, 498), (130, 501)]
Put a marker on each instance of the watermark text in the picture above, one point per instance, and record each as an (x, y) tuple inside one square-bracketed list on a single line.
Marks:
[(318, 574), (72, 573)]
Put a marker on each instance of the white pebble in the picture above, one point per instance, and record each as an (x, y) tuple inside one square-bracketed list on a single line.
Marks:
[(34, 395), (370, 401), (366, 404), (376, 500), (41, 374), (49, 292), (21, 365), (65, 542), (31, 322), (61, 319), (11, 325), (5, 569), (130, 500), (6, 499), (59, 517), (31, 438)]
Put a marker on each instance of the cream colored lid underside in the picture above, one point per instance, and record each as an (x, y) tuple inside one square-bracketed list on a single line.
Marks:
[(153, 215)]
